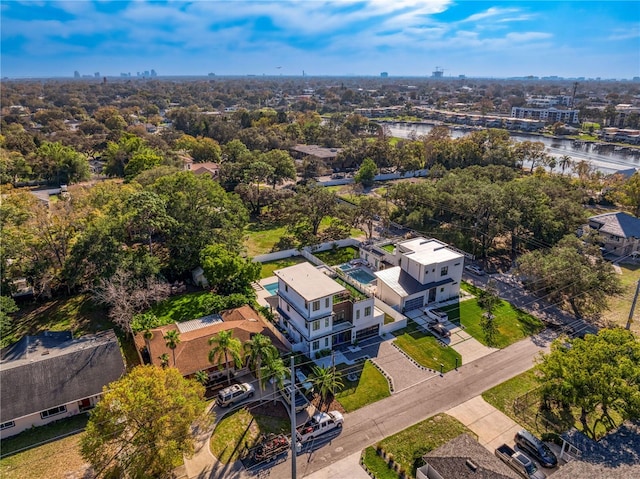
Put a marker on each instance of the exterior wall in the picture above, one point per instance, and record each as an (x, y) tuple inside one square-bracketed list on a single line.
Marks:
[(35, 420), (301, 305), (388, 295), (361, 319), (620, 246)]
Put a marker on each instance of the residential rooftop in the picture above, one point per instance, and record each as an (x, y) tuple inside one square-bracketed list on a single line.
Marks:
[(308, 281), (617, 223), (428, 251)]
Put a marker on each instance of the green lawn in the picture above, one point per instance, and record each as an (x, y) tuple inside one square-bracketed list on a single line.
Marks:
[(512, 324), (369, 388), (389, 248), (51, 460), (269, 267), (337, 256), (410, 445), (425, 349), (377, 465), (79, 314), (261, 238), (182, 307), (532, 417), (240, 430), (619, 306)]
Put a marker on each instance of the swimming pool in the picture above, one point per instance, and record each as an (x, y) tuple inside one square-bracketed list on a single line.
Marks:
[(271, 287), (361, 276), (345, 267)]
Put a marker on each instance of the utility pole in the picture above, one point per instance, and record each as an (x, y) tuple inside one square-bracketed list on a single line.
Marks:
[(294, 440), (633, 305)]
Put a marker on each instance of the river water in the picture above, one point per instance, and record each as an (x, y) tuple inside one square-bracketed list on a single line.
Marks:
[(605, 158)]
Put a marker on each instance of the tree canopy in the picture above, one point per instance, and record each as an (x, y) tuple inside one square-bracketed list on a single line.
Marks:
[(141, 428), (598, 373)]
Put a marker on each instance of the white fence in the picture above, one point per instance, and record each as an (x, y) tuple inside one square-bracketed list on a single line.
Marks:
[(287, 253), (399, 319)]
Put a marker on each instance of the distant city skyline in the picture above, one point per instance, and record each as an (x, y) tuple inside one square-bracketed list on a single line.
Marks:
[(498, 39)]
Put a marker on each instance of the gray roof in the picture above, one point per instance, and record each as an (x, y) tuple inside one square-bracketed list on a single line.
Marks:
[(404, 284), (194, 324), (317, 151), (618, 224), (615, 456), (48, 370), (308, 281), (451, 460)]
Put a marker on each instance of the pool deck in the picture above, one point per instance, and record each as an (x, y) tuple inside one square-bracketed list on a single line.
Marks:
[(261, 292)]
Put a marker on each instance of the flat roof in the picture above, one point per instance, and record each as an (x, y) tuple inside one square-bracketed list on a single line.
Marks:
[(428, 251), (308, 281), (403, 284)]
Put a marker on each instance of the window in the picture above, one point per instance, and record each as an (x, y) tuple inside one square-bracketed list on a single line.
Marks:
[(288, 308), (316, 305), (315, 345), (326, 322), (367, 311), (326, 302), (326, 342), (53, 411), (357, 314), (442, 290), (457, 264), (444, 271), (286, 288), (7, 425), (315, 325)]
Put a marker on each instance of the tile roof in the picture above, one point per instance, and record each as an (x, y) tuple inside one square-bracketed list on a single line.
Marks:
[(192, 353), (44, 371)]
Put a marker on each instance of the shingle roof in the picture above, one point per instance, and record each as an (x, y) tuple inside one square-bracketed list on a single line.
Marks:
[(452, 461), (618, 224), (45, 371), (317, 151)]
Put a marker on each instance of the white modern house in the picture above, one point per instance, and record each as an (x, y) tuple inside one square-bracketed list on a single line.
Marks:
[(320, 313), (418, 272)]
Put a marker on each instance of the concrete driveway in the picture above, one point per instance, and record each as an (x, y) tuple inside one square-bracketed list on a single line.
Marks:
[(492, 426)]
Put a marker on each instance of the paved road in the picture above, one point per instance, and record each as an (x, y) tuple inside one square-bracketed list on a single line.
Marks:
[(372, 423)]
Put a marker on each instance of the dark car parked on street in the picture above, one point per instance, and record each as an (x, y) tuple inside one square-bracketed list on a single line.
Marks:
[(535, 448)]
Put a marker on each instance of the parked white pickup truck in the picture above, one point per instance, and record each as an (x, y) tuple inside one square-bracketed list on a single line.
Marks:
[(319, 424), (519, 463)]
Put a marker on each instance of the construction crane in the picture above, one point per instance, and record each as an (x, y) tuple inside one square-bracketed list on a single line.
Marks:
[(438, 73)]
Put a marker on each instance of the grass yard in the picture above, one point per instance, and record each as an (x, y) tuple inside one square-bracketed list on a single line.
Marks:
[(240, 430), (377, 465), (503, 397), (369, 388), (52, 460), (55, 460), (269, 267), (425, 348), (410, 445), (182, 307), (389, 248), (261, 238), (512, 324), (77, 313), (619, 306), (337, 256)]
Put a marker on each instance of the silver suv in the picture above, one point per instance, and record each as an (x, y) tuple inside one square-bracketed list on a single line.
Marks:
[(234, 394)]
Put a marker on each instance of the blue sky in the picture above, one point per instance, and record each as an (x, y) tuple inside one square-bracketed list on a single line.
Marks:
[(343, 37)]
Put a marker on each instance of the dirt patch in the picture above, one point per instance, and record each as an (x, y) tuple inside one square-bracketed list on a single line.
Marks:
[(270, 409), (331, 404)]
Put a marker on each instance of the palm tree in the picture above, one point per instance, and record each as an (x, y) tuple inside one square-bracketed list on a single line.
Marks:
[(325, 381), (274, 370), (172, 339), (164, 360), (258, 350), (202, 377), (565, 162), (226, 347)]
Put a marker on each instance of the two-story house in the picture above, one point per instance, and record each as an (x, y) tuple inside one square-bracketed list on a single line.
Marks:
[(427, 271), (618, 231), (320, 313)]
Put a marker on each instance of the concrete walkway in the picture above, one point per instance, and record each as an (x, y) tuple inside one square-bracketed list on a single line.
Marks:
[(492, 426), (403, 372)]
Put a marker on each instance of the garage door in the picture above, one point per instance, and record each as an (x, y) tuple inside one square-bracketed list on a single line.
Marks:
[(368, 332), (414, 303)]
